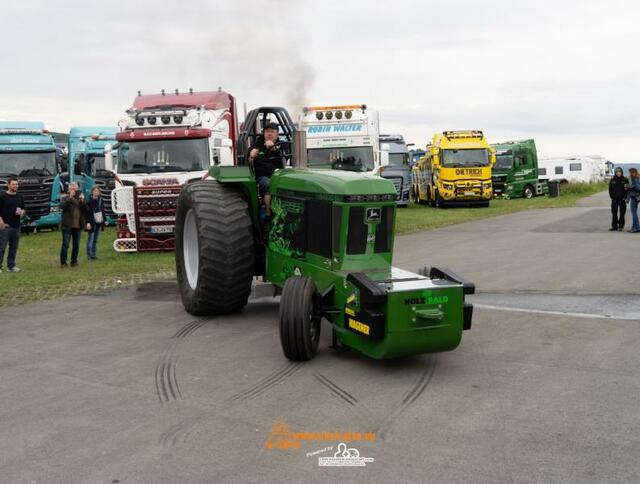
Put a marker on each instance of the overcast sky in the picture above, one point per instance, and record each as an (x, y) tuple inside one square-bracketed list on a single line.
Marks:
[(566, 73)]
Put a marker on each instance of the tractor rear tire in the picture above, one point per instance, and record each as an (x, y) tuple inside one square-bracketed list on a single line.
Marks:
[(299, 321), (214, 248)]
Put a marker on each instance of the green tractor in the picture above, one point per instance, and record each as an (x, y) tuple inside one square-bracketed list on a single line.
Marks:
[(327, 253)]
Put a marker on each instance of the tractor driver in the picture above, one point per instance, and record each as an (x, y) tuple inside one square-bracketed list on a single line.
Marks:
[(266, 158)]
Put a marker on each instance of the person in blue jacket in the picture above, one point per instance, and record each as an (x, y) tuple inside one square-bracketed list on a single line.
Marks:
[(95, 221), (634, 198)]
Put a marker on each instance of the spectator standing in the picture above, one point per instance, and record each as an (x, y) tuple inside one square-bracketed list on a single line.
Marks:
[(618, 194), (634, 197), (11, 211), (73, 220), (95, 222)]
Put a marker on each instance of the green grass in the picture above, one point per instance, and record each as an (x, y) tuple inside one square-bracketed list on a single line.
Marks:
[(41, 277), (423, 217)]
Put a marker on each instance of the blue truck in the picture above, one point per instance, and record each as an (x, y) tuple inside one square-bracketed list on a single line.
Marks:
[(28, 152), (86, 162)]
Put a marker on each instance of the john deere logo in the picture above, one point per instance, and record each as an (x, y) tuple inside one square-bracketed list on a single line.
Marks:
[(373, 215)]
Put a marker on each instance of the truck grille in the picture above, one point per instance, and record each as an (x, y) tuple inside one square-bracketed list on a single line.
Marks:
[(106, 187), (498, 183), (156, 217), (470, 188), (37, 196), (397, 183)]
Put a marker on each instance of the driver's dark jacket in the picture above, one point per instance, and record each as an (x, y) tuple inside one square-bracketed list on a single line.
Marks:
[(267, 161)]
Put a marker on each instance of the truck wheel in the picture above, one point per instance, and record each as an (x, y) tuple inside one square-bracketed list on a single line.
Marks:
[(528, 192), (299, 322), (214, 248)]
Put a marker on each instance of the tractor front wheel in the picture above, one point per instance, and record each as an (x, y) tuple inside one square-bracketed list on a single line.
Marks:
[(299, 320), (214, 248)]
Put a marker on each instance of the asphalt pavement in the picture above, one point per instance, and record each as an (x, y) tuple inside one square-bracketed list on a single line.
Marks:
[(126, 387)]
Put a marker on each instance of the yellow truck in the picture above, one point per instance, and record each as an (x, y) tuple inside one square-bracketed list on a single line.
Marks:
[(456, 170)]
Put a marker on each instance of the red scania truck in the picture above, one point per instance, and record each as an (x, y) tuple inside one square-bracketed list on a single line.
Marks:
[(166, 140)]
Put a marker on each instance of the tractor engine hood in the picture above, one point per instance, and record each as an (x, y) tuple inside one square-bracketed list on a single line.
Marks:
[(333, 185)]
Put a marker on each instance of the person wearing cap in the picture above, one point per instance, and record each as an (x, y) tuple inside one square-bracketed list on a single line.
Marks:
[(618, 195), (266, 157)]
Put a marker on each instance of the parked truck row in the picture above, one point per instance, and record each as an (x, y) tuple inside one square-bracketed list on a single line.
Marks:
[(167, 140)]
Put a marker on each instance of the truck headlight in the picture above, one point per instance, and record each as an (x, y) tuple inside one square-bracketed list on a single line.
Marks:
[(447, 186)]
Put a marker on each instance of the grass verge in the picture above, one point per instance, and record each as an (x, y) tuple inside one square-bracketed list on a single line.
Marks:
[(423, 217), (41, 277)]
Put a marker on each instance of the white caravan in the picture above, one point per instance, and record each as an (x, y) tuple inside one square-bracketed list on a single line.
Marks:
[(575, 169)]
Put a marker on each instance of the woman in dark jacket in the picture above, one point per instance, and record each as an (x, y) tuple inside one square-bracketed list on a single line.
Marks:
[(618, 195), (95, 222)]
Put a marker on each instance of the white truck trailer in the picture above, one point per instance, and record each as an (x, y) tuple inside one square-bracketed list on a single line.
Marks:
[(575, 169)]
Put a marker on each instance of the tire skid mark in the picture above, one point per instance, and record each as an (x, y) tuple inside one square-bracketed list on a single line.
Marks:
[(168, 389), (409, 397), (267, 382), (166, 380), (176, 434), (335, 389)]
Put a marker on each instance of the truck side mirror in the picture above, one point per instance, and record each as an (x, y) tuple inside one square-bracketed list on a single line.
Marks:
[(108, 157), (385, 148)]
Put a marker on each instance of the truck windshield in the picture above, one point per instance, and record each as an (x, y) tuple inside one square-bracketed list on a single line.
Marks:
[(504, 162), (461, 158), (163, 156), (96, 166), (28, 163), (398, 159), (358, 158)]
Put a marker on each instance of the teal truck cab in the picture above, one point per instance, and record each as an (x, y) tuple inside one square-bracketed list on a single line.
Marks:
[(28, 152), (86, 162), (515, 173)]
